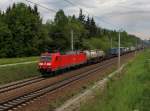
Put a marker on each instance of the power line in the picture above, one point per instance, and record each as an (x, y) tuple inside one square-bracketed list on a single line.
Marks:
[(73, 4), (128, 7), (52, 10), (90, 13), (70, 2)]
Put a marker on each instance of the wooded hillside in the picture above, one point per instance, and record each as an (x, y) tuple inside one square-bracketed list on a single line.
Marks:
[(22, 32)]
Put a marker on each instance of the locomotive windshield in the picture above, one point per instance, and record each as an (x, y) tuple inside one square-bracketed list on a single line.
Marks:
[(45, 58)]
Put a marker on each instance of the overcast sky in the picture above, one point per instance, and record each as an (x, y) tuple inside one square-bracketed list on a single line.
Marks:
[(130, 15)]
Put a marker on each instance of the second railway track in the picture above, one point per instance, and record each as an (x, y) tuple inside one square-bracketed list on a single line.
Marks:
[(12, 103), (19, 84)]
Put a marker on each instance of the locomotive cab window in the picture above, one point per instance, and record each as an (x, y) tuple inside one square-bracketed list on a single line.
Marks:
[(46, 58)]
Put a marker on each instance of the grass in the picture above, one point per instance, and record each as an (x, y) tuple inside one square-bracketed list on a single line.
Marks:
[(17, 60), (18, 72), (130, 92)]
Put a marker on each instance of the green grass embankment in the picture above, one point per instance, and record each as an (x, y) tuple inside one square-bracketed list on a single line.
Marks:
[(19, 71), (130, 92)]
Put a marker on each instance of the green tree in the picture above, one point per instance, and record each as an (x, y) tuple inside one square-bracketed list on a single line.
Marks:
[(87, 26), (60, 18), (81, 17), (56, 31), (92, 27), (5, 40), (26, 26), (78, 32), (22, 32)]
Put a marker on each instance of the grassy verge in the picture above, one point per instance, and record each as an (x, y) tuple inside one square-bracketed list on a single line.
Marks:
[(18, 72), (130, 92), (17, 60)]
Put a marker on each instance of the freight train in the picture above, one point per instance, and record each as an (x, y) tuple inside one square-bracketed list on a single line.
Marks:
[(50, 63)]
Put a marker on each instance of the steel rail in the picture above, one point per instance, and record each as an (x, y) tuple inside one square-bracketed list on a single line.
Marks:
[(10, 104), (19, 84)]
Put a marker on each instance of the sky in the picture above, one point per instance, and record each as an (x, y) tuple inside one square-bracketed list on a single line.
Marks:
[(132, 16)]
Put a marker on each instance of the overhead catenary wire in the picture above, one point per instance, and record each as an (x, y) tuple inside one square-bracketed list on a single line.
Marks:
[(73, 4), (52, 10), (100, 18)]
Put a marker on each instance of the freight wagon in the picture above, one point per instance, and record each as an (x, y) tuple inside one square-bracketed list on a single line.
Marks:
[(94, 56), (115, 51)]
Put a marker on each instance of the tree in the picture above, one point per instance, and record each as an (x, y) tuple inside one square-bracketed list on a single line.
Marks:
[(35, 10), (93, 27), (22, 32), (60, 30), (78, 32), (73, 17), (5, 40), (61, 18), (56, 31), (81, 17), (87, 26), (26, 27)]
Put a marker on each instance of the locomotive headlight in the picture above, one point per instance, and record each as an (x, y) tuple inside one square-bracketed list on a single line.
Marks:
[(40, 64), (48, 64)]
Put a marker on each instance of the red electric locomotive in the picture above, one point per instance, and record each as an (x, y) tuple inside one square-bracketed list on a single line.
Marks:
[(52, 62)]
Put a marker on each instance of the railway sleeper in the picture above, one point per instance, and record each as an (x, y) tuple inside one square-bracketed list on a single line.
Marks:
[(2, 108), (8, 105), (12, 103)]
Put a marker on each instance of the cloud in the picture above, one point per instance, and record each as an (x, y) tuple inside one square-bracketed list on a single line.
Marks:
[(131, 15)]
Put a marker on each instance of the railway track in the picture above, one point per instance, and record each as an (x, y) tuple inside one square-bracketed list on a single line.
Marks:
[(16, 101), (19, 84)]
